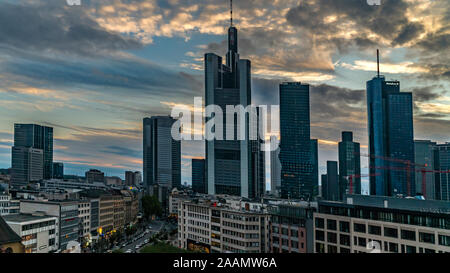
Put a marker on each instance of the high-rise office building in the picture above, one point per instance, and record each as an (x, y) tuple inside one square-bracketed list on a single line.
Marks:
[(315, 165), (330, 182), (230, 164), (424, 156), (442, 164), (391, 143), (37, 137), (349, 165), (27, 166), (58, 170), (275, 167), (295, 147), (162, 157), (198, 176)]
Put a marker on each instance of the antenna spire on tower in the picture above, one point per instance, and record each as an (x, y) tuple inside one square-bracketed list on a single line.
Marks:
[(231, 12), (378, 63)]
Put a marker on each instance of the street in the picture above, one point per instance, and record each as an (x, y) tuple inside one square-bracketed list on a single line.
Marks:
[(154, 227)]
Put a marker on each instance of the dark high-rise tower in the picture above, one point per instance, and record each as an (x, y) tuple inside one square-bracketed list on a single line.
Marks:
[(295, 147), (315, 165), (37, 137), (391, 138), (330, 182), (349, 165), (198, 176), (162, 155), (229, 165)]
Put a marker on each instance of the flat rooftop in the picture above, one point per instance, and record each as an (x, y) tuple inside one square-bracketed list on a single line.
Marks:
[(19, 218)]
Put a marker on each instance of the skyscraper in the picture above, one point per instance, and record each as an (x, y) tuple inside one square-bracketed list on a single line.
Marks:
[(424, 155), (58, 170), (330, 182), (349, 165), (27, 166), (315, 165), (229, 164), (275, 167), (442, 164), (162, 156), (391, 138), (198, 176), (38, 137), (295, 147)]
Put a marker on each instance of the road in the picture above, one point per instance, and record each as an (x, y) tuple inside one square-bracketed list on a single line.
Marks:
[(154, 227)]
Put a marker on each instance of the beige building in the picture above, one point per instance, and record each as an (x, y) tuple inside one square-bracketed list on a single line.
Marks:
[(213, 227), (382, 224), (106, 216)]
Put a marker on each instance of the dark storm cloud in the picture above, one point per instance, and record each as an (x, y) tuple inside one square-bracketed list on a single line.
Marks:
[(387, 20), (54, 28), (426, 93)]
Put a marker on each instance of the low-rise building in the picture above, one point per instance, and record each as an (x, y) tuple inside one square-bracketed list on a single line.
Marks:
[(66, 213), (291, 228), (8, 205), (382, 224), (106, 216), (37, 231), (84, 213), (213, 226)]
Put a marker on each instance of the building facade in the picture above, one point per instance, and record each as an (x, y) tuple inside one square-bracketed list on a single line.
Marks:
[(58, 170), (367, 224), (199, 176), (275, 167), (349, 165), (37, 137), (295, 147), (26, 166), (37, 231), (8, 205), (330, 182), (424, 156), (214, 229), (391, 138), (442, 177), (95, 176)]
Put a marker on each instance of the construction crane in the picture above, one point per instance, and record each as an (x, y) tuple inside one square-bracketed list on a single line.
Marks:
[(408, 168), (353, 176)]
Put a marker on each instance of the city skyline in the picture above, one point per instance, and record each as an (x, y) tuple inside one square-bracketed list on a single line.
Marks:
[(65, 84)]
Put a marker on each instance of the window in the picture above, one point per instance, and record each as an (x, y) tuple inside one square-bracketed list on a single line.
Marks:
[(344, 240), (408, 235), (410, 249), (320, 223), (344, 250), (332, 249), (359, 227), (426, 237), (344, 226), (320, 235), (393, 247), (375, 230), (331, 224), (362, 242), (332, 237), (391, 232), (444, 240), (320, 248)]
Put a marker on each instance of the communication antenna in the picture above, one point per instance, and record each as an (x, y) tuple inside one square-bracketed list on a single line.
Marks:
[(378, 63), (231, 12)]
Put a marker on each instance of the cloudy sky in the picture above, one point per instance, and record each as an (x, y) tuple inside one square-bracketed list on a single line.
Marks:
[(94, 71)]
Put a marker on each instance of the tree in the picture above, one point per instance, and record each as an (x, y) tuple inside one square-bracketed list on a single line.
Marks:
[(151, 206)]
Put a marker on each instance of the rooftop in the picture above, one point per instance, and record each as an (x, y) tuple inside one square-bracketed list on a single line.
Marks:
[(7, 235), (19, 218)]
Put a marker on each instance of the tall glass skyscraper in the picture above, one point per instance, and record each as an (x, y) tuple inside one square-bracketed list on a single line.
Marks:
[(442, 164), (349, 164), (230, 164), (295, 146), (162, 156), (391, 138), (37, 137), (198, 176)]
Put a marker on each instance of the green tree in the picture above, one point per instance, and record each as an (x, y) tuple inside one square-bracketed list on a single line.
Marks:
[(151, 206)]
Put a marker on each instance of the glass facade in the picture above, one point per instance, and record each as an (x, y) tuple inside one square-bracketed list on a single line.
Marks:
[(295, 146), (349, 165)]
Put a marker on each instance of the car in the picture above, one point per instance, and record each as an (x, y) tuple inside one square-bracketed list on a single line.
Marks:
[(146, 241), (124, 245), (137, 247), (128, 251)]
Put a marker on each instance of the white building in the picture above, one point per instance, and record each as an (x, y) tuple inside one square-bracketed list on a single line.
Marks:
[(84, 213), (37, 231), (214, 227), (8, 206)]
